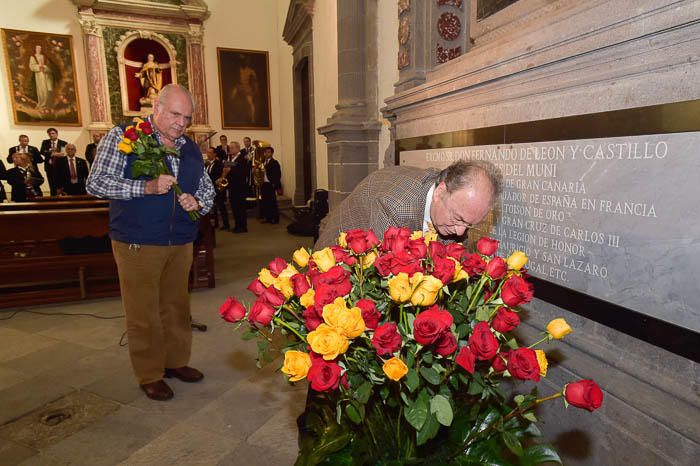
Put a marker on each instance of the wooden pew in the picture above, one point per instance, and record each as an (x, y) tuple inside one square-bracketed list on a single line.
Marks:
[(43, 256)]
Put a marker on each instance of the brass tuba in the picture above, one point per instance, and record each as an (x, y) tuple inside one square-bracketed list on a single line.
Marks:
[(221, 184)]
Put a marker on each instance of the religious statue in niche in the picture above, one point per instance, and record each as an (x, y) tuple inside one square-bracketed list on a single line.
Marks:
[(151, 79), (42, 78)]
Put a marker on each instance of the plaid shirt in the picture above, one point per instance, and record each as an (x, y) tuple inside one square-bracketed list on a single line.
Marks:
[(106, 179), (394, 196)]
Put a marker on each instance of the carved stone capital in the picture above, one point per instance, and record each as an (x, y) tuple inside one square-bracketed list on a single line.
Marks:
[(196, 33)]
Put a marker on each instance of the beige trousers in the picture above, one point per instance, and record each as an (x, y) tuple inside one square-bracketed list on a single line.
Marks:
[(153, 282)]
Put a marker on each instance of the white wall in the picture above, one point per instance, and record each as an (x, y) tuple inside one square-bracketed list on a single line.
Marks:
[(54, 16), (325, 42)]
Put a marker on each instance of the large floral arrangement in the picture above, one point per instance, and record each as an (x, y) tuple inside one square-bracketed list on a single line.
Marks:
[(405, 343)]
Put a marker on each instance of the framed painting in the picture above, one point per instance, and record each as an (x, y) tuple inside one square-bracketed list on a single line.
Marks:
[(41, 76), (244, 88)]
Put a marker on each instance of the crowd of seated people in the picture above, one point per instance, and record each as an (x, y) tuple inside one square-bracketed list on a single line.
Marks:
[(66, 173)]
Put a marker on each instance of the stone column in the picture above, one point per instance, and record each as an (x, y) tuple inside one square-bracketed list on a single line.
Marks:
[(352, 132), (195, 59), (97, 73)]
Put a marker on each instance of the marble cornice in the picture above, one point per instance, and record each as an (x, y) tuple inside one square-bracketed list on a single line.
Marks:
[(192, 9)]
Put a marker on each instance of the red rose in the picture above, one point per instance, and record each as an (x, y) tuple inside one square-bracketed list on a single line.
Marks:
[(584, 394), (323, 295), (361, 241), (232, 310), (383, 264), (473, 264), (444, 269), (496, 268), (487, 294), (146, 127), (386, 339), (405, 262), (396, 239), (342, 256), (370, 314), (344, 381), (517, 291), (277, 265), (324, 375), (131, 134), (300, 284), (261, 313), (312, 319), (523, 365), (446, 344), (466, 359), (456, 251), (256, 287), (505, 320), (417, 248), (436, 250), (430, 325), (336, 277), (273, 297), (487, 246), (482, 342), (500, 362)]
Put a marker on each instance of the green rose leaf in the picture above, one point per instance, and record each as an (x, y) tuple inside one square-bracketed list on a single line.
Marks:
[(429, 430), (538, 454), (440, 406), (430, 375), (512, 443), (412, 381), (418, 413), (482, 314)]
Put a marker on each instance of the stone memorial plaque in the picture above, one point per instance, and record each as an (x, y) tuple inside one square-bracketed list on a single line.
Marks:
[(615, 218)]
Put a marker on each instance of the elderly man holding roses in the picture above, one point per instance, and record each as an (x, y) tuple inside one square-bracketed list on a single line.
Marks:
[(152, 235)]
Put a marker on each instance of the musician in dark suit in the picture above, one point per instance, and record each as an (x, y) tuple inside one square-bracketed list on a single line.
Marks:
[(222, 148), (449, 201), (3, 176), (237, 171), (52, 150), (215, 170), (247, 147), (71, 173), (91, 149), (24, 178), (27, 149), (270, 187)]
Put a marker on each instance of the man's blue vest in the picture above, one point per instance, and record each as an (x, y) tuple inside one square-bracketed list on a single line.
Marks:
[(159, 219)]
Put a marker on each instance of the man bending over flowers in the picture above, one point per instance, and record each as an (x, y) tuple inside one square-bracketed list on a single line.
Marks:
[(152, 231)]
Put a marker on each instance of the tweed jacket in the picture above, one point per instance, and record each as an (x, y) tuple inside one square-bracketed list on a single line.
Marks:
[(394, 196)]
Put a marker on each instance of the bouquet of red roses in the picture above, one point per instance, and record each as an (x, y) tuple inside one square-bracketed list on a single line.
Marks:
[(138, 142), (405, 343)]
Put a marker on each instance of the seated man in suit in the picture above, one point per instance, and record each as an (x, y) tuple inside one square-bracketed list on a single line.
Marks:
[(25, 148), (215, 169), (24, 178), (449, 202), (71, 173), (52, 150)]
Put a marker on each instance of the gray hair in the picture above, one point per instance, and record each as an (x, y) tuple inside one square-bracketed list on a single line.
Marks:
[(463, 174), (168, 88)]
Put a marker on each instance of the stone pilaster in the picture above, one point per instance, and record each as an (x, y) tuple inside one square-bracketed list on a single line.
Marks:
[(197, 84), (352, 133), (100, 119)]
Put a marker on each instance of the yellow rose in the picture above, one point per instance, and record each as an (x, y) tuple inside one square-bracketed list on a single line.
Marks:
[(517, 260), (284, 284), (307, 299), (395, 369), (341, 240), (324, 259), (288, 271), (542, 361), (346, 321), (460, 273), (124, 147), (430, 237), (558, 328), (328, 342), (137, 120), (425, 290), (296, 365), (416, 234), (301, 257), (368, 259), (265, 277), (400, 288)]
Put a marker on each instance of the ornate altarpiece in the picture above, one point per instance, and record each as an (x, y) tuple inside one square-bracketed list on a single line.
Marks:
[(120, 34)]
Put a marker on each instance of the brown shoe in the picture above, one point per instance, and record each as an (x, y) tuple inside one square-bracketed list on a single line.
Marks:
[(159, 390), (185, 373)]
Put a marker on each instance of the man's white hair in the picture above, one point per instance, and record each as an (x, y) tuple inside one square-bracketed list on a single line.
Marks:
[(165, 92)]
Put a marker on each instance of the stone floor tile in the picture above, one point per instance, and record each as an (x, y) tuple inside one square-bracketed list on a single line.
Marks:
[(62, 356), (93, 333), (9, 377), (12, 453), (16, 343), (29, 395)]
